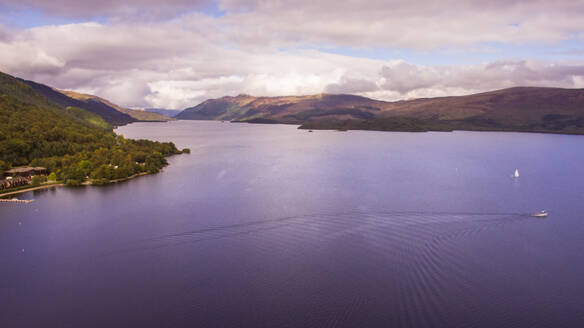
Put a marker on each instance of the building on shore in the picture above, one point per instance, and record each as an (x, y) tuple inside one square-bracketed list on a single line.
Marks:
[(25, 172), (14, 182), (20, 176)]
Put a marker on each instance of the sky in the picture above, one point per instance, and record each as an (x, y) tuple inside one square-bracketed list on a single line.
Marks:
[(177, 53)]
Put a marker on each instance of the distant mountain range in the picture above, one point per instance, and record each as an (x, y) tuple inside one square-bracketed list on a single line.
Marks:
[(165, 112), (529, 109)]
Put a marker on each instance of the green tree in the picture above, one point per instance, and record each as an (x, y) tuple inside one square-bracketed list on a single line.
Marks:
[(3, 167), (73, 182), (37, 180), (52, 177), (155, 162), (85, 166)]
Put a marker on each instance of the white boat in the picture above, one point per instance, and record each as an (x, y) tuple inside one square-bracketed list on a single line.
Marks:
[(541, 214), (516, 174)]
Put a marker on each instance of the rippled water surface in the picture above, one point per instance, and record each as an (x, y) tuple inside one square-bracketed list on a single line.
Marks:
[(270, 226)]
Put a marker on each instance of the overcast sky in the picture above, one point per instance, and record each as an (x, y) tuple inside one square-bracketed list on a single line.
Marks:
[(177, 53)]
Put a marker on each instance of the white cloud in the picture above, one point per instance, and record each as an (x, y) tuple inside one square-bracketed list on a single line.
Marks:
[(423, 81), (253, 49), (180, 94), (91, 8), (398, 80), (402, 23)]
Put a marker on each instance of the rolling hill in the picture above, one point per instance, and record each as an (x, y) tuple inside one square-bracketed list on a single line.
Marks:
[(532, 109), (139, 115), (295, 109), (110, 112)]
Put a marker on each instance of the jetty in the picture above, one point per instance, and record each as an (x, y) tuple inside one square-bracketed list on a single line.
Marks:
[(16, 200)]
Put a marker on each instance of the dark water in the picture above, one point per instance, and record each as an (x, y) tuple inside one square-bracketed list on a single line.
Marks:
[(269, 226)]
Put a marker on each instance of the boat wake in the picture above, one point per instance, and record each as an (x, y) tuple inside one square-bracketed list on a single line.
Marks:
[(357, 221), (421, 259)]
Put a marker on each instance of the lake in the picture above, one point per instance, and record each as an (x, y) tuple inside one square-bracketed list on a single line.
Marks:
[(271, 226)]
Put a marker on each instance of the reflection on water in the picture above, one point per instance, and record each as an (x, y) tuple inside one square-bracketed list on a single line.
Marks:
[(266, 226)]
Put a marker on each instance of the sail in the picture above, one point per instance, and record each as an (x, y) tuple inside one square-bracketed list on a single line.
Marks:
[(516, 173)]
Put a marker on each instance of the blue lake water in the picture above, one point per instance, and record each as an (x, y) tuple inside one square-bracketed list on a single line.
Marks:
[(270, 226)]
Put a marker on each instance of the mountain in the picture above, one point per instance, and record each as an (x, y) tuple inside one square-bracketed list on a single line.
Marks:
[(70, 142), (165, 112), (533, 109), (108, 113), (295, 109), (139, 115), (19, 91)]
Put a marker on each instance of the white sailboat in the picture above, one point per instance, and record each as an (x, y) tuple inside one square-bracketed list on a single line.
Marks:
[(516, 174)]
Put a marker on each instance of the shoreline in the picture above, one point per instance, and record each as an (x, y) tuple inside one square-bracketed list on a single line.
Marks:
[(564, 133), (15, 192), (331, 126), (89, 183), (86, 183)]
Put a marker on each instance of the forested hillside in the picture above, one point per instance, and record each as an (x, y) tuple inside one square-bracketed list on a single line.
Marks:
[(108, 113), (71, 142)]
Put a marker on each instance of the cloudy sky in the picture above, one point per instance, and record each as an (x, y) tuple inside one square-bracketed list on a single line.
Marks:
[(177, 53)]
